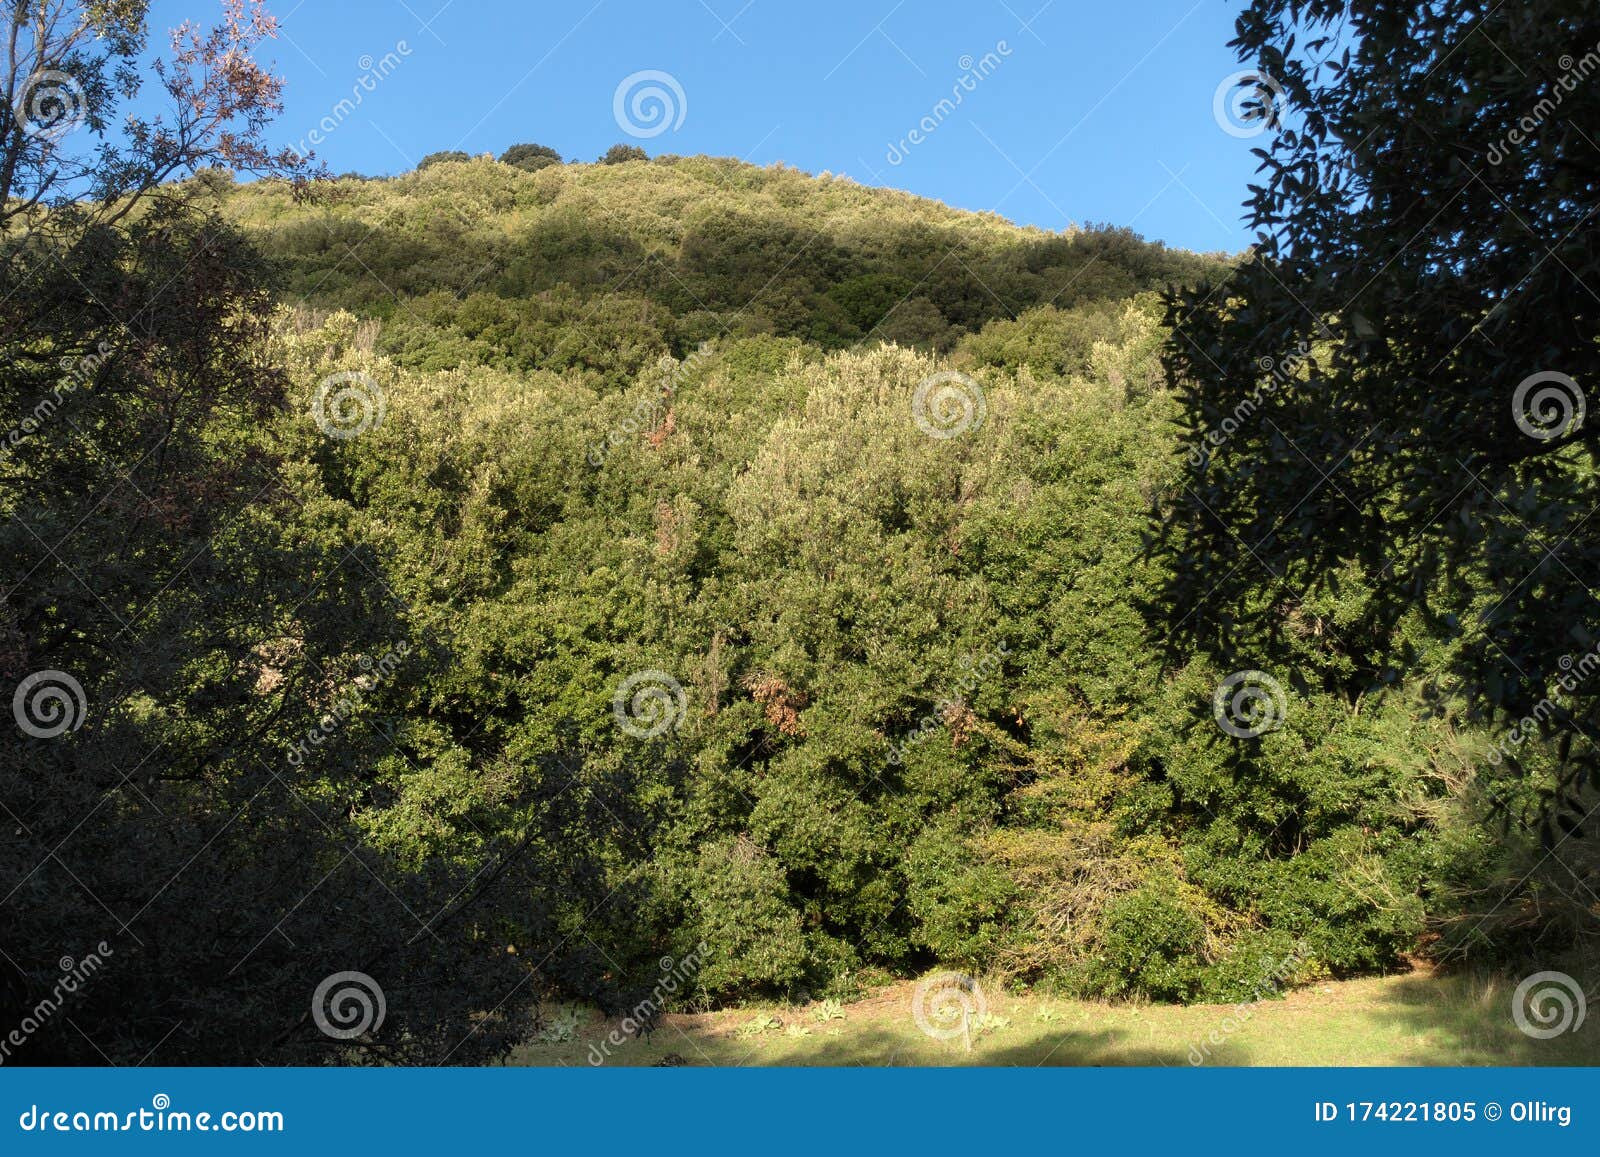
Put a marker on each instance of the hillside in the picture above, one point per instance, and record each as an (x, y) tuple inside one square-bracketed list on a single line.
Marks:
[(813, 516), (604, 267), (505, 609)]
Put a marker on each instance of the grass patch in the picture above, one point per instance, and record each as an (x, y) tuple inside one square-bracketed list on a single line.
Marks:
[(1417, 1019)]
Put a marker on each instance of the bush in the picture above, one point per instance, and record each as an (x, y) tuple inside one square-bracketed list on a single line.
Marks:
[(1259, 965), (926, 708), (621, 154), (959, 903), (1154, 946), (737, 893), (448, 156), (530, 157)]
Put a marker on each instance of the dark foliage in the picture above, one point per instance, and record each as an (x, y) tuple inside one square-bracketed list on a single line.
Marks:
[(1385, 402), (530, 157), (621, 154)]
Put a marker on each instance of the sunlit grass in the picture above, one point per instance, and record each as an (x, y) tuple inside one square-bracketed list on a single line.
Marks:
[(1417, 1019)]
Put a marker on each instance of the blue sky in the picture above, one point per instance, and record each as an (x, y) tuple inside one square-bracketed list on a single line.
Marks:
[(1069, 110)]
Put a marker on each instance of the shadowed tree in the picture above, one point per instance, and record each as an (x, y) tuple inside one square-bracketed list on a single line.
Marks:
[(1387, 447), (213, 688)]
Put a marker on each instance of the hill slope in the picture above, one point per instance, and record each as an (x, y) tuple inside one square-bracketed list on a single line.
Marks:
[(483, 262), (809, 518)]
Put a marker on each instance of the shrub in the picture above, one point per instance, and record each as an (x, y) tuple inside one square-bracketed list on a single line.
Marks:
[(1154, 945), (621, 154), (737, 893), (958, 901), (530, 157), (448, 156), (1259, 965)]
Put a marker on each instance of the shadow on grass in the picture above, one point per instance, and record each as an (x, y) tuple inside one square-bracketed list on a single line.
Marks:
[(1069, 1049), (1467, 1020), (872, 1047)]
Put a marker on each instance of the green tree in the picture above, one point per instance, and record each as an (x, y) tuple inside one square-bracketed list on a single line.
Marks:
[(530, 157), (73, 65), (621, 154), (1389, 471), (447, 156), (215, 690)]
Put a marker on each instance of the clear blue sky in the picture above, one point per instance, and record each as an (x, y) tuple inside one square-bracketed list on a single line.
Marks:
[(1089, 111)]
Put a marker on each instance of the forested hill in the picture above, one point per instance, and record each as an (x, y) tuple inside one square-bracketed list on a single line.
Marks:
[(429, 599), (811, 520), (603, 267), (684, 559)]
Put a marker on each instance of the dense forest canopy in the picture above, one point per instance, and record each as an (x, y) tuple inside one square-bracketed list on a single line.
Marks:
[(497, 578)]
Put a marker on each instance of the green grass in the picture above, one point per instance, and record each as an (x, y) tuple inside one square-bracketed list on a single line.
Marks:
[(1417, 1019)]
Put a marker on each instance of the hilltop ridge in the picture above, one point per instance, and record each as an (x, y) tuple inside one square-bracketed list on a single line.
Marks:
[(480, 262)]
